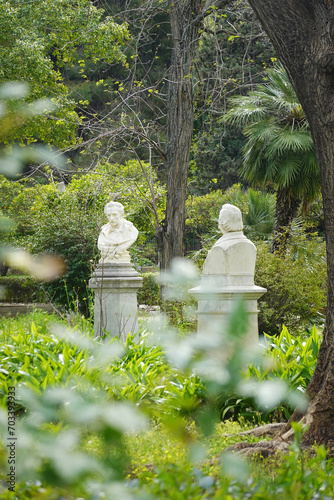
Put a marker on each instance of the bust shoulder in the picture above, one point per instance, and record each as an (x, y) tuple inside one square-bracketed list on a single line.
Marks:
[(129, 227), (127, 223), (230, 239)]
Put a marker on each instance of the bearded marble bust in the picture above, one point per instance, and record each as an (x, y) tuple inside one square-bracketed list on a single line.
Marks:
[(116, 236)]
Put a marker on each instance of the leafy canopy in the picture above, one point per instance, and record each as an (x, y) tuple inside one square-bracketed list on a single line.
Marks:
[(37, 39)]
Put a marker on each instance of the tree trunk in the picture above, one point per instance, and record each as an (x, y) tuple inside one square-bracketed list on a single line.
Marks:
[(286, 210), (302, 32), (186, 20)]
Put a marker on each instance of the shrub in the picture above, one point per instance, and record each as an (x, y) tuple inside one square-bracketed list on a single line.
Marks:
[(21, 288), (296, 286), (149, 293), (9, 190)]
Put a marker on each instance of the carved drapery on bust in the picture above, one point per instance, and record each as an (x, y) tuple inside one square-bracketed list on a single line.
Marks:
[(116, 236)]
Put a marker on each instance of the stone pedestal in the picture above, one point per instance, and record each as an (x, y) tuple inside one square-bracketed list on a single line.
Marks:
[(215, 303), (115, 287)]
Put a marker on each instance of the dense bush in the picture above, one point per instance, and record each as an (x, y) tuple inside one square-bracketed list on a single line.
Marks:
[(9, 190), (295, 283), (149, 293), (21, 288)]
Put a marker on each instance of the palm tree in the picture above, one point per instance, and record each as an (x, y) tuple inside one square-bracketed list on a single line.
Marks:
[(279, 150)]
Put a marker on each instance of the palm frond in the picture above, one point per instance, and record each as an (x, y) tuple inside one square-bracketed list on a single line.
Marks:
[(290, 172), (260, 219), (243, 111), (262, 131), (291, 139)]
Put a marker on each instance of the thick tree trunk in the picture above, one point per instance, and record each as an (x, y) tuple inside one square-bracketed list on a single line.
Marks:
[(302, 32), (186, 20), (286, 210)]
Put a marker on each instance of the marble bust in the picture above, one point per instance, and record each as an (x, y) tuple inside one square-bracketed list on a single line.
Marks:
[(232, 258), (116, 236)]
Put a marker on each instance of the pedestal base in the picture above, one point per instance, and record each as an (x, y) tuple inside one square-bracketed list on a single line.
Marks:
[(215, 306), (115, 307)]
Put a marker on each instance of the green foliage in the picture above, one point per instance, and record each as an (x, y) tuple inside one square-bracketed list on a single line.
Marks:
[(149, 294), (78, 403), (21, 288), (12, 161), (295, 475), (9, 190), (259, 220), (87, 378), (294, 357), (295, 283), (34, 358), (37, 39), (146, 379), (202, 213), (14, 114), (291, 359), (61, 225), (213, 165), (229, 62)]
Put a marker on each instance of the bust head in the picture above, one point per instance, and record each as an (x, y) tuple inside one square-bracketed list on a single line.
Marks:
[(114, 205), (230, 219), (115, 213)]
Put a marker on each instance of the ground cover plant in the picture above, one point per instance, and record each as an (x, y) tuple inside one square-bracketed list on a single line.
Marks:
[(33, 356), (289, 358), (142, 421)]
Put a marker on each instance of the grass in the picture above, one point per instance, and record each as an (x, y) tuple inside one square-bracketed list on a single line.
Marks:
[(158, 449)]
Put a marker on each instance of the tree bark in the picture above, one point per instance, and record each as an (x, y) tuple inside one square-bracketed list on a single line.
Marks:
[(186, 21), (302, 32), (286, 210)]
